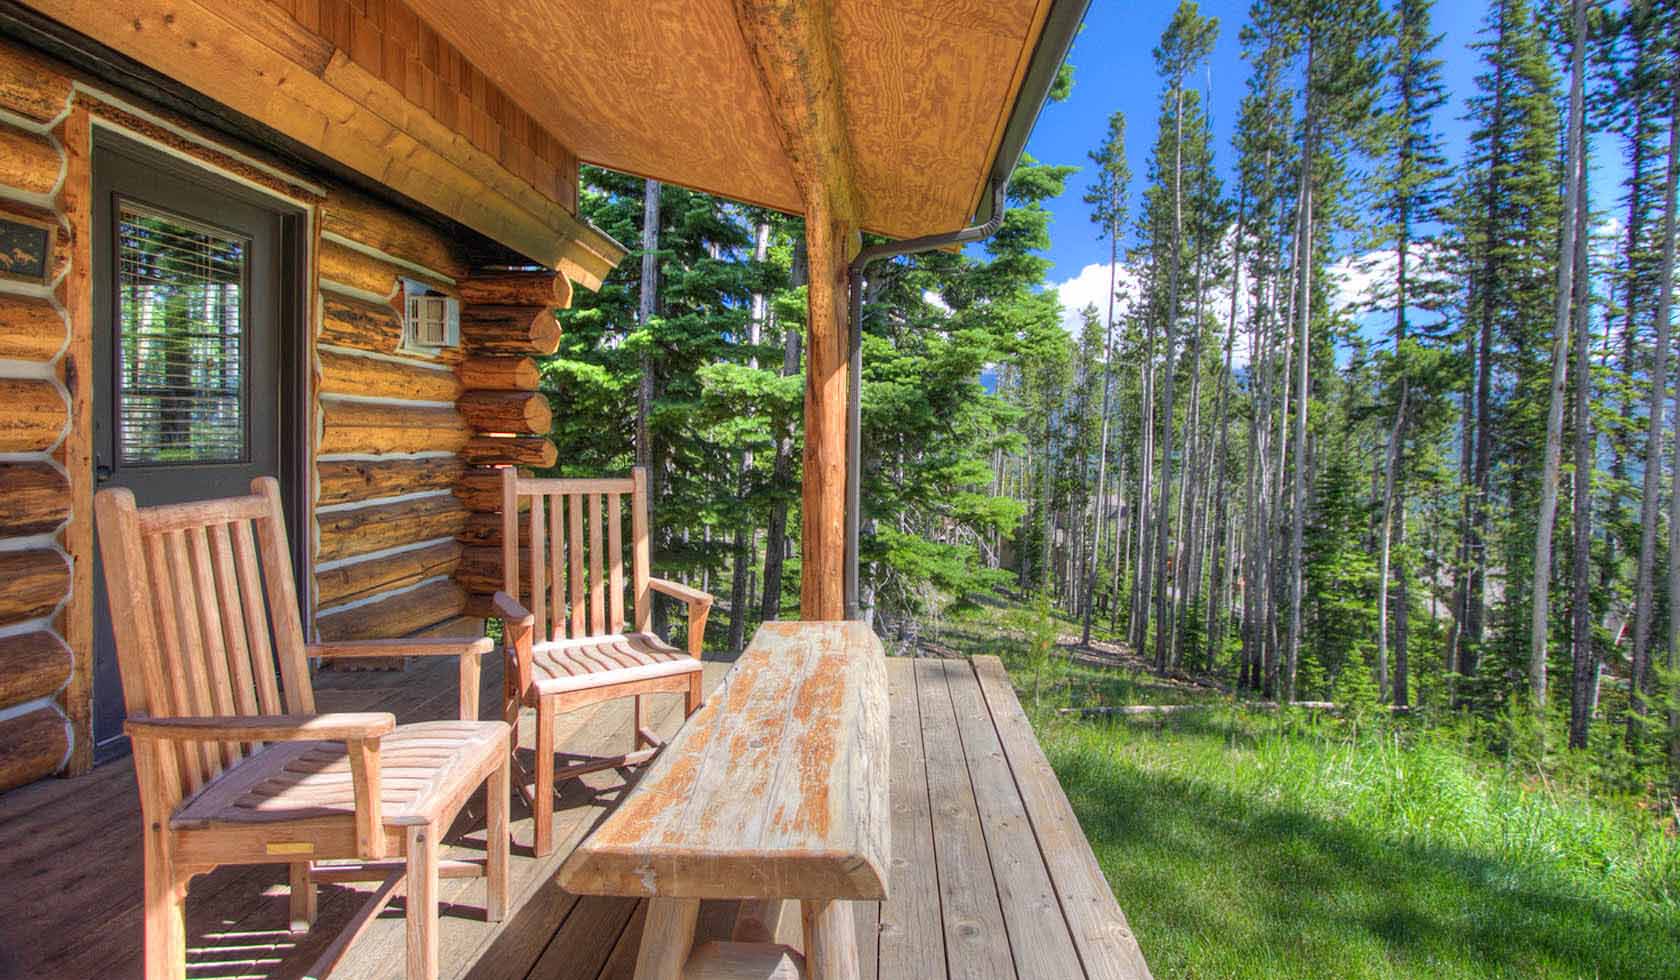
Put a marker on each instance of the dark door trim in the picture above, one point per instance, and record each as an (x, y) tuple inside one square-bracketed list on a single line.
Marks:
[(295, 339)]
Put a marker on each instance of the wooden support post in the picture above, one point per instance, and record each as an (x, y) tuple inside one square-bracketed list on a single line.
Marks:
[(667, 938), (795, 51), (831, 951), (823, 531)]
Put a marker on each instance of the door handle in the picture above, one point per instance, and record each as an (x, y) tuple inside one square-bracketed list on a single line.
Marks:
[(101, 472)]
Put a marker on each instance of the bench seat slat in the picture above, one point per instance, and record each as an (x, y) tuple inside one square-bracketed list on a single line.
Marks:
[(777, 788)]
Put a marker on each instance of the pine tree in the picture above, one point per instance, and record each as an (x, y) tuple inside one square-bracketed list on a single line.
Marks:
[(1107, 198), (1410, 187)]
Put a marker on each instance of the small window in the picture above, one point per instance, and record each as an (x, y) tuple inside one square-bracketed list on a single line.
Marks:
[(181, 305), (431, 320)]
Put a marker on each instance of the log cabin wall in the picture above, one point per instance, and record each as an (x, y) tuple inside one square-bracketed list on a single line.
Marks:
[(401, 438), (391, 433), (45, 471)]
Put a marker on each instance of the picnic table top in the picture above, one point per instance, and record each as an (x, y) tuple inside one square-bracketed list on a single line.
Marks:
[(777, 788)]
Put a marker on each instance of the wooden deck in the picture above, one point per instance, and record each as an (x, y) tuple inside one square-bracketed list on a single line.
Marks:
[(990, 875)]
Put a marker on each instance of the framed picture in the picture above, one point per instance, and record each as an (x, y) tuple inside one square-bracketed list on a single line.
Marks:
[(26, 247)]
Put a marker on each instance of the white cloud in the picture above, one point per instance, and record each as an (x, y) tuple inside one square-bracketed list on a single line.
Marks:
[(1090, 288)]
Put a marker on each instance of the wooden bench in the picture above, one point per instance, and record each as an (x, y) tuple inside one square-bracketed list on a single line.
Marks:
[(776, 790)]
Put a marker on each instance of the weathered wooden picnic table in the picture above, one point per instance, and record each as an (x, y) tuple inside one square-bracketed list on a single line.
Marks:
[(776, 790)]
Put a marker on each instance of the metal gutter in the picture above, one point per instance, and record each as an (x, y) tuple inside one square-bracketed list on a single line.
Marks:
[(1061, 25)]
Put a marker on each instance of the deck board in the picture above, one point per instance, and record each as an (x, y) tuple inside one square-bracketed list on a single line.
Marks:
[(990, 873)]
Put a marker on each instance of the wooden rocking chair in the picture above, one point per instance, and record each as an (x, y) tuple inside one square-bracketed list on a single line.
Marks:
[(564, 662), (234, 769)]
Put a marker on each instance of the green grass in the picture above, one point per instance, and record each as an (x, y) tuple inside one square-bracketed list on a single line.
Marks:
[(1243, 844)]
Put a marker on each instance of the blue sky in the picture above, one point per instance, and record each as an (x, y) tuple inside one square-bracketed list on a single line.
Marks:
[(1114, 69)]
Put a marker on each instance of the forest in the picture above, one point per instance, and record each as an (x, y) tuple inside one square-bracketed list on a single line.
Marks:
[(1448, 498)]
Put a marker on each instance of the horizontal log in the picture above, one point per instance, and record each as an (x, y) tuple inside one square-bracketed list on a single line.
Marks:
[(515, 330), (400, 615), (360, 530), (32, 746), (34, 498), (347, 481), (394, 232), (519, 412), (28, 161), (30, 86), (345, 266), (33, 415), (363, 427), (1138, 710), (480, 571), (349, 374), (484, 528), (481, 490), (503, 451), (547, 289), (350, 322), (36, 581), (363, 579), (30, 329), (499, 373), (32, 665)]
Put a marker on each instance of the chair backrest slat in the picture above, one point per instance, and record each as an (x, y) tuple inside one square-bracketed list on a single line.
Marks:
[(579, 590), (233, 620), (214, 634), (171, 694), (574, 559), (556, 545), (639, 547), (597, 592), (615, 547), (192, 641), (539, 589), (256, 618), (205, 591)]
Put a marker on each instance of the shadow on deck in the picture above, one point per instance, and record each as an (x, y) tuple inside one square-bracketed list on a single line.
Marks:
[(991, 876)]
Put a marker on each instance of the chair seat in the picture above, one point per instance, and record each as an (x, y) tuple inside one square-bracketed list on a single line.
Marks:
[(580, 664), (421, 767)]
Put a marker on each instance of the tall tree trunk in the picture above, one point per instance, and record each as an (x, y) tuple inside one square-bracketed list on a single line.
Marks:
[(1102, 442), (1584, 659), (1303, 303), (1649, 504), (775, 537), (745, 532), (1386, 536), (648, 304), (1539, 624), (1163, 600)]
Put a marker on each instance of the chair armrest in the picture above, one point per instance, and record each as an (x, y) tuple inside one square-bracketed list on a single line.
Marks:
[(417, 647), (677, 590), (699, 607), (510, 610), (518, 627), (359, 731), (339, 727)]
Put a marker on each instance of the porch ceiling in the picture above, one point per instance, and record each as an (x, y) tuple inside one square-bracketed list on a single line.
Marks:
[(669, 89)]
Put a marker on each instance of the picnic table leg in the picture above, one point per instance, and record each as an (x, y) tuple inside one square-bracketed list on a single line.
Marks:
[(759, 920), (831, 951), (667, 938)]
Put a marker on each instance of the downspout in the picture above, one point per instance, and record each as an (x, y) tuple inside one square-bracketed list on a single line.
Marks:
[(854, 393), (1061, 23)]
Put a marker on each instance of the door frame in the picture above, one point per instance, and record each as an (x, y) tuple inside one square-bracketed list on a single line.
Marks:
[(295, 300)]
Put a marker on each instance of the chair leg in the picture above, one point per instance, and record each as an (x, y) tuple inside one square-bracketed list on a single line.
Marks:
[(543, 809), (496, 841), (640, 722), (165, 918), (694, 698), (422, 903), (303, 903)]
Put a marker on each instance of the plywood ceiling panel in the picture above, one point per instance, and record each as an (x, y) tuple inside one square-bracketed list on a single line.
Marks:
[(668, 89)]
